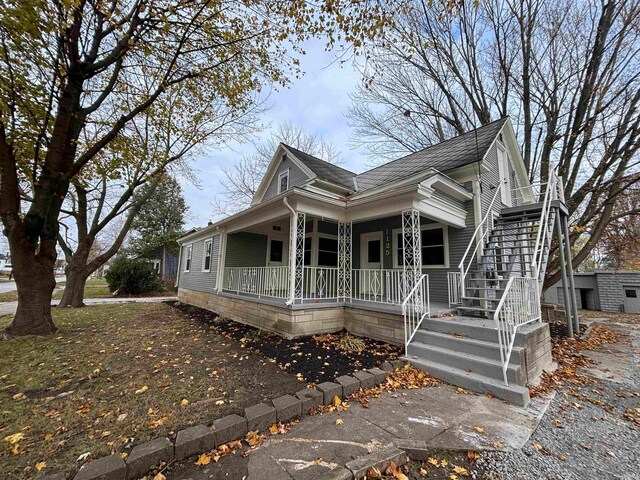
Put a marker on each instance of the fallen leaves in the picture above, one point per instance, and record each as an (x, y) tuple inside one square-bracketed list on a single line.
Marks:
[(539, 447), (339, 421), (479, 429), (15, 438), (216, 454), (141, 390), (40, 465), (568, 354)]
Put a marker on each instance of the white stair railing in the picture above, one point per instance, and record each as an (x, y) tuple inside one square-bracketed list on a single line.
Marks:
[(453, 281), (519, 305), (545, 230), (478, 240), (415, 308)]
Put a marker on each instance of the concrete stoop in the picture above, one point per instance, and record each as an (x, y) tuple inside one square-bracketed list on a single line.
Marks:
[(464, 351)]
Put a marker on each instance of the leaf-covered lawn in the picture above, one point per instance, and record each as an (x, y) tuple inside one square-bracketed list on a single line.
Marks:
[(115, 376)]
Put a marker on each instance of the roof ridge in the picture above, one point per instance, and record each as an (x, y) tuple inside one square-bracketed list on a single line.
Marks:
[(434, 145), (319, 159)]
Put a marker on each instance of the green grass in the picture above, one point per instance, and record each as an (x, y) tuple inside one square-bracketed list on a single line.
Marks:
[(116, 374), (94, 288)]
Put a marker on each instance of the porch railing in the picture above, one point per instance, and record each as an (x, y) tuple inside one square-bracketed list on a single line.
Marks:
[(415, 308), (519, 305), (259, 281), (320, 283), (378, 285)]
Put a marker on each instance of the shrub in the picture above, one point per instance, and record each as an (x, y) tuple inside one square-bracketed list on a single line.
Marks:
[(349, 343), (132, 276)]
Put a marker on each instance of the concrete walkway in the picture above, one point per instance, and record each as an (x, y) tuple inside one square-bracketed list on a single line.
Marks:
[(9, 308), (437, 418)]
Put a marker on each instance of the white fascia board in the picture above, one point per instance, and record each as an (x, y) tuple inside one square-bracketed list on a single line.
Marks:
[(393, 185), (448, 186), (442, 212), (381, 206)]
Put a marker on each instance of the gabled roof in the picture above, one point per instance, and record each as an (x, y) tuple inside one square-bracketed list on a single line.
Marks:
[(456, 152), (324, 170)]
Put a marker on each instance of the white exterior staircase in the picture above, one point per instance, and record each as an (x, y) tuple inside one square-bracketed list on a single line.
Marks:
[(497, 296)]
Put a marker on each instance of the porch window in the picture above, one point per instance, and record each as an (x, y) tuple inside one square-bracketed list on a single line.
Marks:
[(327, 252), (434, 247), (187, 265), (283, 181), (206, 263), (307, 251), (275, 251)]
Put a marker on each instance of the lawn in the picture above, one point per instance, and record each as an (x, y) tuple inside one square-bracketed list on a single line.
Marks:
[(94, 288), (115, 376)]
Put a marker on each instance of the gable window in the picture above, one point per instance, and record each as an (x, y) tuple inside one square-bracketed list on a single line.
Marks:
[(327, 252), (187, 264), (283, 181), (206, 263), (434, 243), (276, 249)]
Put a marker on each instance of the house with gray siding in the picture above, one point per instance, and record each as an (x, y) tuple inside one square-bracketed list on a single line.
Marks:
[(378, 253)]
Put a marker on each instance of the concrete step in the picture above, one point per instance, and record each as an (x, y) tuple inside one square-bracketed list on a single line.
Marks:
[(490, 350), (475, 328), (516, 394), (481, 365)]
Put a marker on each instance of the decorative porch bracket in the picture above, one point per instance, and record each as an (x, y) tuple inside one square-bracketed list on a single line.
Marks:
[(296, 255), (344, 260), (411, 248)]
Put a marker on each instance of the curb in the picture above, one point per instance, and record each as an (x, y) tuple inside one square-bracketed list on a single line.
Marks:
[(197, 439)]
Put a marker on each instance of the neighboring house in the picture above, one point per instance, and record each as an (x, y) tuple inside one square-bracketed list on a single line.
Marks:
[(5, 263), (323, 249), (164, 262), (606, 290)]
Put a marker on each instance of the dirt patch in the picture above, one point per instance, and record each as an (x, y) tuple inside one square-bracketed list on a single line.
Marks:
[(115, 376), (313, 359)]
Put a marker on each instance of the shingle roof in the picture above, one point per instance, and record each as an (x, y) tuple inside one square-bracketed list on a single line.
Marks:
[(456, 152), (325, 170)]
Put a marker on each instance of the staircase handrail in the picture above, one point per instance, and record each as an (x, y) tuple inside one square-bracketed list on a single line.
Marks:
[(519, 305), (414, 313), (550, 194), (478, 241)]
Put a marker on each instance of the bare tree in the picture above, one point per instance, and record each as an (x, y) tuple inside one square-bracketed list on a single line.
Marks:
[(241, 181), (568, 74)]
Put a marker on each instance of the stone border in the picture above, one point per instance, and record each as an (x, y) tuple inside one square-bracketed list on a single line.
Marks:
[(199, 439)]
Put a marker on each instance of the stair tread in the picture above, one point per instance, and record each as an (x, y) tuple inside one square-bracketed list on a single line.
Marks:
[(469, 356), (481, 298), (512, 392), (465, 339)]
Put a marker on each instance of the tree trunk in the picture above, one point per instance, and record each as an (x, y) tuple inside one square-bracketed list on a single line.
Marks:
[(35, 280), (73, 295)]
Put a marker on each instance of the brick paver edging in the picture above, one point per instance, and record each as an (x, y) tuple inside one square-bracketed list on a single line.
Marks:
[(200, 438)]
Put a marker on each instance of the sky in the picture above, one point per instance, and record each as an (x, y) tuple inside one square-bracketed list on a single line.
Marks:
[(318, 103)]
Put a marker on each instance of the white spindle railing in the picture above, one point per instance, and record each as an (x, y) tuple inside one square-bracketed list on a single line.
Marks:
[(453, 280), (415, 308), (320, 283), (519, 305), (258, 281), (378, 285)]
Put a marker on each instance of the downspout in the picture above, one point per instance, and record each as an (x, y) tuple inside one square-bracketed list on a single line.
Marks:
[(292, 257)]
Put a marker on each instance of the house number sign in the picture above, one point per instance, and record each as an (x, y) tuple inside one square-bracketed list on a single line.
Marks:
[(387, 243)]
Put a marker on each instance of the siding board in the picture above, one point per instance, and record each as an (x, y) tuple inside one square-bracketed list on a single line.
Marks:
[(195, 278)]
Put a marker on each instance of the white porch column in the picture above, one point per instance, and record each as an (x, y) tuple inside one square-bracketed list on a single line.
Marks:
[(344, 260), (411, 248), (296, 255), (222, 255)]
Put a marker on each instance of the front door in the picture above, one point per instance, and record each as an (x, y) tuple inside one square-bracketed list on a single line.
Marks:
[(371, 281)]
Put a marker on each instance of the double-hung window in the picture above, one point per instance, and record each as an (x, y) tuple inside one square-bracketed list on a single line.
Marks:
[(283, 181), (434, 247), (327, 252), (187, 263), (206, 261)]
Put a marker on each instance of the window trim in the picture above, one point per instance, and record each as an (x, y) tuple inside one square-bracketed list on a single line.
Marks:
[(188, 257), (204, 254), (285, 251), (280, 175), (327, 236), (428, 226)]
